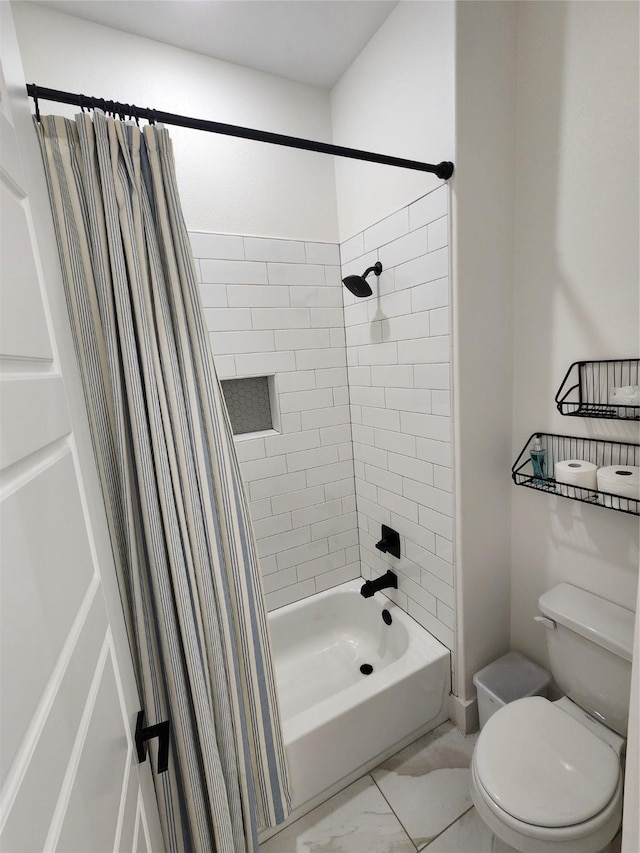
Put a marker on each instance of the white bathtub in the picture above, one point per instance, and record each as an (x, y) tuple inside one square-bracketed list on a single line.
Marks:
[(336, 719)]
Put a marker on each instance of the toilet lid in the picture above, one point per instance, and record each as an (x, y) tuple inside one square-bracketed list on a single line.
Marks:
[(540, 765)]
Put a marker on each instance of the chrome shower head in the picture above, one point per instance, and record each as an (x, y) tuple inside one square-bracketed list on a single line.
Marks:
[(357, 284)]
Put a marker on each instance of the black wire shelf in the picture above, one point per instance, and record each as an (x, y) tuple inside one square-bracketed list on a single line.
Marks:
[(587, 389), (600, 452)]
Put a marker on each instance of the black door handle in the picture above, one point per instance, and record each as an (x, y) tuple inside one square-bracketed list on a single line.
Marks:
[(162, 731)]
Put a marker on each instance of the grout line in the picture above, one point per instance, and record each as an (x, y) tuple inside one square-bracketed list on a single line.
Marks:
[(404, 828), (424, 847), (353, 458)]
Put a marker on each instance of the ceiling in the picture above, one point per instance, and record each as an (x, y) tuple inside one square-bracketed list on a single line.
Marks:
[(310, 41)]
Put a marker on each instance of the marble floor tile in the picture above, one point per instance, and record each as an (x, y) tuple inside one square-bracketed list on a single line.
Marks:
[(427, 784), (469, 834), (357, 820)]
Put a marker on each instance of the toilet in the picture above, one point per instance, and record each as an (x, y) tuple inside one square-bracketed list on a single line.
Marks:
[(546, 777)]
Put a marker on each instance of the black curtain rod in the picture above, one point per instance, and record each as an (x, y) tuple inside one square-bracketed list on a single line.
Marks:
[(443, 170)]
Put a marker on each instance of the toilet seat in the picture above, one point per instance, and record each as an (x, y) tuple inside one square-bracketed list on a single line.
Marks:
[(588, 837), (541, 767)]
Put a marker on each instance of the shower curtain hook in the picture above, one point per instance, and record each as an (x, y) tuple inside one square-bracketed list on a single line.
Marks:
[(35, 101), (82, 104)]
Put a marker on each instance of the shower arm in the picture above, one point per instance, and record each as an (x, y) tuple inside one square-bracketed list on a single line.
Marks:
[(442, 170), (376, 268)]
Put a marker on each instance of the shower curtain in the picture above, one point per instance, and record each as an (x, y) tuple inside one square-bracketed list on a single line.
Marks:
[(179, 523)]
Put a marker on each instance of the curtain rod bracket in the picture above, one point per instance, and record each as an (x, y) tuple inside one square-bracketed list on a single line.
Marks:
[(444, 170)]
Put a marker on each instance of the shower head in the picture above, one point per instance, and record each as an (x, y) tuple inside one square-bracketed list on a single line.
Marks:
[(357, 284)]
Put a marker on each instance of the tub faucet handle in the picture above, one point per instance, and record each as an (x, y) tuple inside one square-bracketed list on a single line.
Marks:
[(390, 542)]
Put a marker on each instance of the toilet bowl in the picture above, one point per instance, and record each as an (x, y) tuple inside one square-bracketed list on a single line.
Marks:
[(544, 781), (547, 777)]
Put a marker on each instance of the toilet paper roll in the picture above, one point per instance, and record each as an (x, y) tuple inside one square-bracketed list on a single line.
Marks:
[(626, 395), (622, 480), (576, 472)]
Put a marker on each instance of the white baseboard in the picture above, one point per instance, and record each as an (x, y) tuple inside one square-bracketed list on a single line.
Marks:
[(464, 714)]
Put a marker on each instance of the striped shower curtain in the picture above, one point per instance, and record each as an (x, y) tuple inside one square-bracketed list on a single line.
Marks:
[(179, 522)]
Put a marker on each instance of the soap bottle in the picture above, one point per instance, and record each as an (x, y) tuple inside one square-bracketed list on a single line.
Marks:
[(538, 460)]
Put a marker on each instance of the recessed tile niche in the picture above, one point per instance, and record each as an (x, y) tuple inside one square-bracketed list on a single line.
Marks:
[(248, 403)]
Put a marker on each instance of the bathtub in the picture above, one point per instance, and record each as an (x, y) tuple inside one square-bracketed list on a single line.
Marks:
[(335, 718)]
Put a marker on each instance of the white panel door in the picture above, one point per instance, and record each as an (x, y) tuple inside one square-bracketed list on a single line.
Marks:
[(69, 776)]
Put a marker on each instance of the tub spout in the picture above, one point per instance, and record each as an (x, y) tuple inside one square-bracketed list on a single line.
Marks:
[(388, 580)]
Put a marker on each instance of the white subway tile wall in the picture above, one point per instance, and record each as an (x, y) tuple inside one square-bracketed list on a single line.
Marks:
[(399, 358), (274, 308), (363, 408)]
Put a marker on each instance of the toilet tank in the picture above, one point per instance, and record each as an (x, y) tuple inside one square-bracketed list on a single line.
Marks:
[(590, 652)]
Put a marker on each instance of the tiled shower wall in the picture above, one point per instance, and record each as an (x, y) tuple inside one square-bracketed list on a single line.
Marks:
[(274, 308), (398, 352)]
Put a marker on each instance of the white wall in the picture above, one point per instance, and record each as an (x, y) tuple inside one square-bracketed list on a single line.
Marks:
[(396, 98), (576, 280), (227, 185), (544, 221), (274, 308), (482, 212)]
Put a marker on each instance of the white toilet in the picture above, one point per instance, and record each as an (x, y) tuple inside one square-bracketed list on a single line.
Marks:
[(547, 776)]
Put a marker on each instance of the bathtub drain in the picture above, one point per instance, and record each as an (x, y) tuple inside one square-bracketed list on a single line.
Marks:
[(366, 669)]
